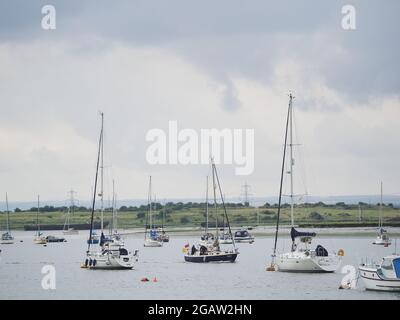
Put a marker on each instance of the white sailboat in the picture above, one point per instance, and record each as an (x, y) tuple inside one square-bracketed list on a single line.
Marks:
[(382, 238), (6, 237), (111, 255), (301, 257), (151, 238), (39, 238), (67, 230)]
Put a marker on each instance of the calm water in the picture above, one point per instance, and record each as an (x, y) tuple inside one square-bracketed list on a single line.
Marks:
[(21, 264)]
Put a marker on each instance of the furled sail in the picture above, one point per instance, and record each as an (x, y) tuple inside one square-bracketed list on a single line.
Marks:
[(295, 234)]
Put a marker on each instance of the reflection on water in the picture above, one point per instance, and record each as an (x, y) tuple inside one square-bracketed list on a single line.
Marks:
[(21, 264)]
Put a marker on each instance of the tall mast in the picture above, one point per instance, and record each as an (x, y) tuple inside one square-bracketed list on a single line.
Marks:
[(380, 207), (113, 208), (207, 206), (224, 207), (151, 207), (102, 171), (37, 214), (8, 215), (215, 197), (272, 266), (95, 189), (291, 160)]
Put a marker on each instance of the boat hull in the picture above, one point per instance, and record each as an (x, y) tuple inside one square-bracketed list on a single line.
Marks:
[(224, 257), (374, 281), (7, 241), (302, 263), (40, 241), (244, 240), (70, 232), (110, 263), (152, 243)]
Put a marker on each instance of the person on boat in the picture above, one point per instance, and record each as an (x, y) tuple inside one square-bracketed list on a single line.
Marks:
[(193, 251)]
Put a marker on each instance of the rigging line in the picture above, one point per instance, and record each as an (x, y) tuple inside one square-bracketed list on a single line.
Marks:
[(95, 189), (281, 182), (300, 153), (223, 204)]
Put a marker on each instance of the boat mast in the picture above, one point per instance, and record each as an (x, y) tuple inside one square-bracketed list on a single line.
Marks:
[(8, 215), (102, 172), (272, 266), (95, 188), (37, 215), (380, 209), (215, 198), (113, 208), (291, 160), (206, 231), (224, 207)]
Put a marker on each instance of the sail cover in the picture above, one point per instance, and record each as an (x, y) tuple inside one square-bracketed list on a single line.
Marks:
[(294, 234), (396, 265)]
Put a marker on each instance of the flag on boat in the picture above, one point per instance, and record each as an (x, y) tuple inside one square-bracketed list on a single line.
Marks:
[(185, 248)]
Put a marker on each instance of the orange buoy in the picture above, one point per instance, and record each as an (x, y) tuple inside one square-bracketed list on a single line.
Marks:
[(271, 267), (340, 253), (155, 279)]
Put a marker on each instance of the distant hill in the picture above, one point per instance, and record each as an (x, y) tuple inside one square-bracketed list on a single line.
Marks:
[(255, 201)]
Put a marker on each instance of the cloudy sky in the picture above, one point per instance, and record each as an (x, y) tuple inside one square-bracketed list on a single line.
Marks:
[(207, 64)]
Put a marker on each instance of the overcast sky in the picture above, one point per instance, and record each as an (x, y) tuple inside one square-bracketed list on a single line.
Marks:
[(206, 64)]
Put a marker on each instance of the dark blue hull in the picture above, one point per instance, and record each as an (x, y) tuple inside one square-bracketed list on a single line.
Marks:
[(226, 257)]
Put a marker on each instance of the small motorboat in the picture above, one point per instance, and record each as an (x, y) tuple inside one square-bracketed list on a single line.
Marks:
[(54, 239), (39, 238), (243, 236), (7, 238), (384, 276)]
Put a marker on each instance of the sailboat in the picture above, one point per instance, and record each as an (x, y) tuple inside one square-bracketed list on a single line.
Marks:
[(7, 238), (112, 255), (301, 257), (151, 238), (39, 238), (213, 252), (71, 210), (382, 238), (207, 237)]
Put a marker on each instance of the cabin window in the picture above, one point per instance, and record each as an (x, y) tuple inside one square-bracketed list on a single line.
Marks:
[(387, 265)]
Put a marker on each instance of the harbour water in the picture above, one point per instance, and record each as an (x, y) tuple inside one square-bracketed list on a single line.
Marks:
[(21, 272)]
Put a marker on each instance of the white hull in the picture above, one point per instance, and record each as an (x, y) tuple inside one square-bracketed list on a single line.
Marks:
[(108, 261), (225, 241), (70, 232), (40, 240), (373, 280), (7, 241), (300, 262), (382, 242), (152, 243), (244, 240)]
